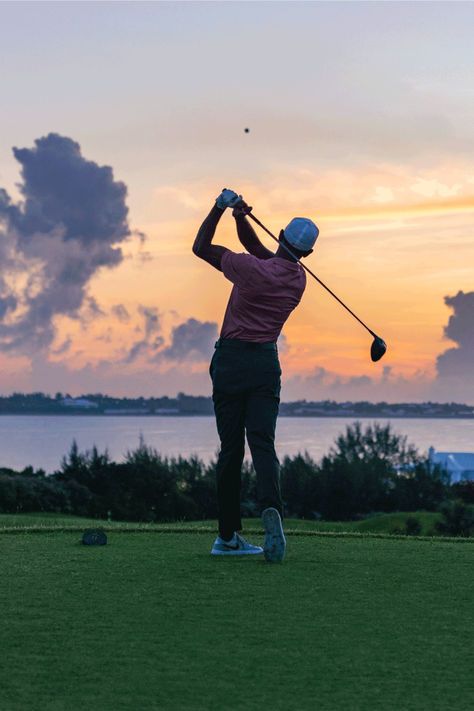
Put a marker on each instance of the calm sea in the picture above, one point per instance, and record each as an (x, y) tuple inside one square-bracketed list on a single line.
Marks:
[(41, 441)]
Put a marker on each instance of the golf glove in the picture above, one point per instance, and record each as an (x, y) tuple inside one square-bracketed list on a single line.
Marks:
[(227, 198)]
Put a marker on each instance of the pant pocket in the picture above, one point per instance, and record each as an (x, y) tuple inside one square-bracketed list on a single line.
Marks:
[(229, 372), (276, 385), (211, 364), (268, 362)]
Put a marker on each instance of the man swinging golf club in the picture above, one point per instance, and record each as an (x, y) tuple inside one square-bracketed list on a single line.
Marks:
[(245, 368)]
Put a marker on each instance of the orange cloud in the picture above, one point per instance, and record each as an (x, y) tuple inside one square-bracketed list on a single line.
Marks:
[(423, 209)]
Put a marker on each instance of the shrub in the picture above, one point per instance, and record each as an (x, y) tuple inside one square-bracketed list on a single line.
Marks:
[(412, 526), (458, 519), (26, 493), (361, 472), (422, 486), (300, 485), (464, 490)]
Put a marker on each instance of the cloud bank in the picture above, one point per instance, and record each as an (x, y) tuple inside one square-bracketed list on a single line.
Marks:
[(455, 366), (69, 223), (459, 361), (192, 340)]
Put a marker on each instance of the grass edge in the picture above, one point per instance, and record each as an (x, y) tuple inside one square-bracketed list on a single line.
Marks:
[(163, 528)]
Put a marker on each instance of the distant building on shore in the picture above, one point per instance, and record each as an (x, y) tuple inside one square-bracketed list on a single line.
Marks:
[(79, 402), (460, 465), (126, 411)]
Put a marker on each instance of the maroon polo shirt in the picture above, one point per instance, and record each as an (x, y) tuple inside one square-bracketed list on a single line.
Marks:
[(264, 294)]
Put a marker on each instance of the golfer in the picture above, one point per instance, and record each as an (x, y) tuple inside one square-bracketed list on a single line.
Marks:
[(245, 369)]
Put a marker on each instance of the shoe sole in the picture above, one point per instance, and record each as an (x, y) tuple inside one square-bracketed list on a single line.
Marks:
[(275, 542), (236, 552)]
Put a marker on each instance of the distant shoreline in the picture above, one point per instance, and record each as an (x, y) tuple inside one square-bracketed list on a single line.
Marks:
[(346, 416), (99, 405)]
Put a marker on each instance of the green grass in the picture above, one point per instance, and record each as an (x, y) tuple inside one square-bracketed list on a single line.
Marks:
[(387, 523), (381, 523), (151, 621), (48, 519)]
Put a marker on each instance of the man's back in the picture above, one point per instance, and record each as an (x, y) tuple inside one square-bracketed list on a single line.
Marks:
[(265, 293)]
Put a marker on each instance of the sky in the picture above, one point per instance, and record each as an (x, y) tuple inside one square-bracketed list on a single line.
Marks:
[(121, 122)]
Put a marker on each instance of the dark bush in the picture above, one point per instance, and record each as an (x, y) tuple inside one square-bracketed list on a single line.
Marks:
[(458, 519), (26, 494), (464, 490), (300, 485), (361, 472), (422, 486), (412, 526)]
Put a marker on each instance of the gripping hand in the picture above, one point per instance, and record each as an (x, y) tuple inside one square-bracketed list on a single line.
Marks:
[(241, 209), (228, 198)]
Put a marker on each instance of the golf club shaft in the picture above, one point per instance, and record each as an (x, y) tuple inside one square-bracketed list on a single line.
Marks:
[(249, 214)]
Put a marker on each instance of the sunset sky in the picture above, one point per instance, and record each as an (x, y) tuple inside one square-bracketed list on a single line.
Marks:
[(361, 117)]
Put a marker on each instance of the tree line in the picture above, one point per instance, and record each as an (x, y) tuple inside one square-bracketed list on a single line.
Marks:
[(366, 471), (182, 404)]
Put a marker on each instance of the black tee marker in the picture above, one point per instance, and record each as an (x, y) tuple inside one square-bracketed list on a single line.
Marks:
[(94, 537)]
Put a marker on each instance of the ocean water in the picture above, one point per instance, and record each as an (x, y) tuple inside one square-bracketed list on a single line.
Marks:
[(42, 441)]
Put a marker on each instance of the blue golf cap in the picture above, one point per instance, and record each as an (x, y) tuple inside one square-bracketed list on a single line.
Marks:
[(301, 233)]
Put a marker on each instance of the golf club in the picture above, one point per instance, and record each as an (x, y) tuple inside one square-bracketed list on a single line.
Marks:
[(378, 347)]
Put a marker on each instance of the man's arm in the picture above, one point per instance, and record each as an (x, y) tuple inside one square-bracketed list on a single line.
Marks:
[(203, 247), (248, 237)]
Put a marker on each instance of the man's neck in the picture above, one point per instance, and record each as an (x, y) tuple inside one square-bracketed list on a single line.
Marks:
[(283, 254)]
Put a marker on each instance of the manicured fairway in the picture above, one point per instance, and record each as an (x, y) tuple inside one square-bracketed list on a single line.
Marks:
[(151, 621), (380, 523)]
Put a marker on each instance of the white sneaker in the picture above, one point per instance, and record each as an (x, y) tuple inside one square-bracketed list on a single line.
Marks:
[(275, 542), (236, 546)]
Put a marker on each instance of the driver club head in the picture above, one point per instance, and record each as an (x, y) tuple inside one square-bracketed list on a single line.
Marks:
[(378, 349)]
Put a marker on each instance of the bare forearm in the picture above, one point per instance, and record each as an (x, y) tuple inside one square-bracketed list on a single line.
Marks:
[(207, 231), (248, 238), (203, 247)]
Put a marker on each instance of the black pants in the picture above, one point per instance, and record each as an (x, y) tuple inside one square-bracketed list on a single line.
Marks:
[(246, 396)]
